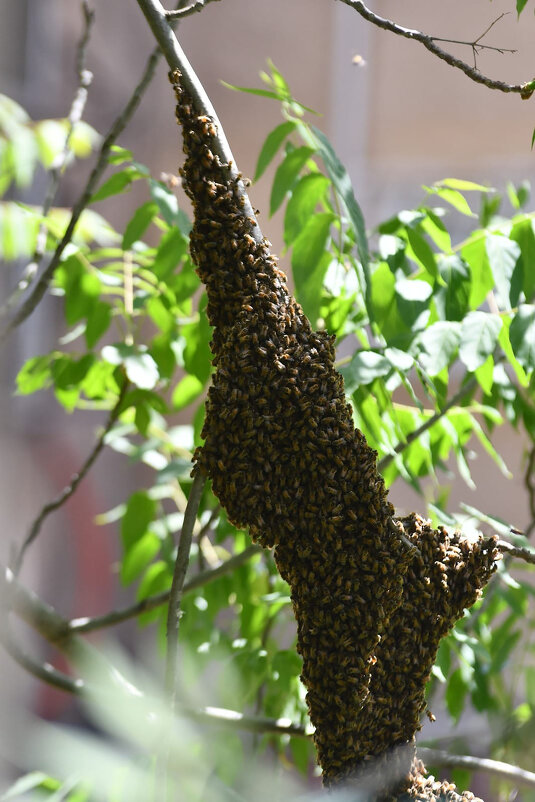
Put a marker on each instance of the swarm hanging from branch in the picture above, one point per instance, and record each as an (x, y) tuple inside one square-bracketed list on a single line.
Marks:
[(372, 595)]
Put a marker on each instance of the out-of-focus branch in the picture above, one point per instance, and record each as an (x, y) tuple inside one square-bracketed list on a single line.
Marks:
[(71, 488), (188, 10), (179, 574), (496, 768), (430, 42), (83, 625), (57, 168)]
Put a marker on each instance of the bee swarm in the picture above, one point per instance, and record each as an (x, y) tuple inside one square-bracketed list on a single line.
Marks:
[(372, 596)]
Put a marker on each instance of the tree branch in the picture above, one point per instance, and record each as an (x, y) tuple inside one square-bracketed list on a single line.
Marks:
[(465, 390), (42, 671), (517, 552), (155, 15), (179, 14), (175, 597), (57, 168), (71, 488), (430, 42), (497, 768), (84, 625)]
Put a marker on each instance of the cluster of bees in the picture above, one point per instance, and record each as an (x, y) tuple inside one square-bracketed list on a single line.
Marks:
[(286, 461)]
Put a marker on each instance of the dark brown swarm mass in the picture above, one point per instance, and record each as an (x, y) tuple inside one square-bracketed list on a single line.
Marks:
[(286, 461)]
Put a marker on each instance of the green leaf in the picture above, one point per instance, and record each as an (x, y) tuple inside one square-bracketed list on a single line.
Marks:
[(452, 299), (140, 367), (172, 248), (524, 235), (503, 255), (474, 253), (34, 375), (455, 695), (98, 321), (520, 6), (197, 354), (383, 299), (286, 175), (187, 390), (463, 186), (167, 203), (522, 336), (271, 145), (413, 298), (421, 251), (453, 197), (139, 556), (505, 343), (138, 224), (342, 183), (139, 514), (479, 335), (440, 342), (364, 367), (120, 155), (310, 262), (115, 185), (485, 375), (306, 195)]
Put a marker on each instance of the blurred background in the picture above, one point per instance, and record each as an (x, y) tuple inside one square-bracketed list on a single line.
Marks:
[(398, 118)]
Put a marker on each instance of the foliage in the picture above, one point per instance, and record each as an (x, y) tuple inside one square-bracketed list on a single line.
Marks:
[(438, 344)]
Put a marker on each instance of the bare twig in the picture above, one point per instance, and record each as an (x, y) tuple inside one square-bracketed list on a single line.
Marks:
[(57, 168), (430, 42), (68, 491), (177, 587), (517, 552), (476, 45), (465, 390), (83, 625), (41, 286), (179, 14), (497, 768)]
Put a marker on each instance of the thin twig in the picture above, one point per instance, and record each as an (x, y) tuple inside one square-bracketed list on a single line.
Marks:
[(497, 768), (198, 5), (524, 90), (41, 286), (517, 552), (71, 488), (177, 587), (83, 625), (57, 168), (465, 390)]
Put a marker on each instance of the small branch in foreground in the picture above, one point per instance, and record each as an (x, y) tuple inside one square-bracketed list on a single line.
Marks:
[(71, 488), (57, 169), (179, 14), (40, 288), (497, 768), (42, 671), (80, 626), (175, 597), (430, 42), (529, 483), (465, 390)]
